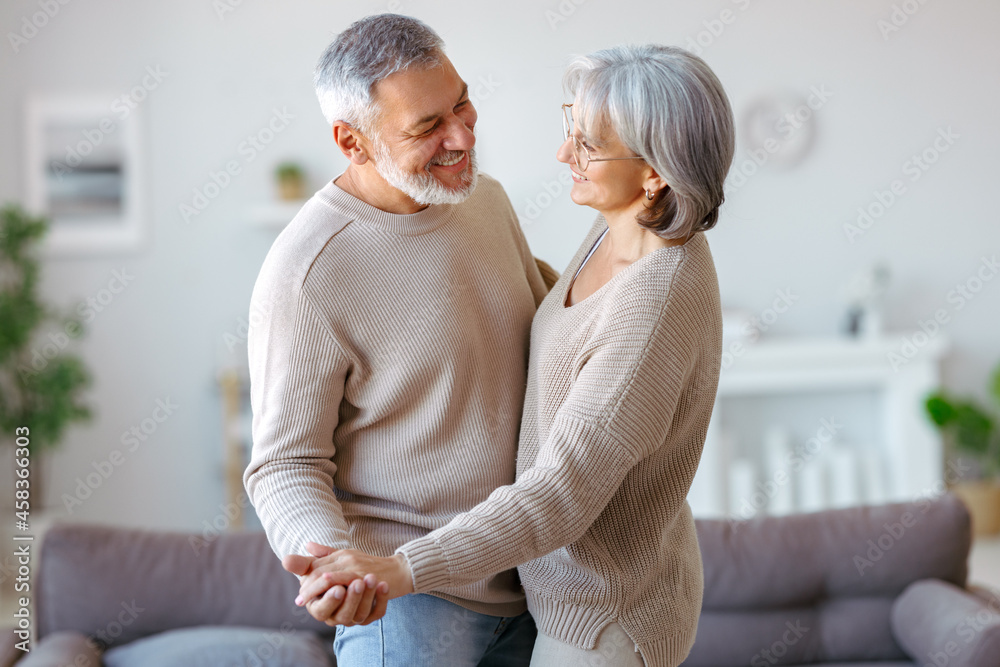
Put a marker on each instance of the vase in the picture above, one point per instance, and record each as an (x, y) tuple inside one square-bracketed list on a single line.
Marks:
[(982, 497)]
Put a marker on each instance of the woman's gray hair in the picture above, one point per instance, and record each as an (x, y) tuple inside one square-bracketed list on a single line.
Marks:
[(366, 52), (666, 105)]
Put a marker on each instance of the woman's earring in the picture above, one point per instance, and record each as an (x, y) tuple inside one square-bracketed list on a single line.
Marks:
[(649, 196)]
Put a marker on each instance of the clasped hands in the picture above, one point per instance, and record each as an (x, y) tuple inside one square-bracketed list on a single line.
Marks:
[(346, 586)]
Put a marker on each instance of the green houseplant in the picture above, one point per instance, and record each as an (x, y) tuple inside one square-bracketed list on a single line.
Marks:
[(973, 431), (40, 382), (291, 181)]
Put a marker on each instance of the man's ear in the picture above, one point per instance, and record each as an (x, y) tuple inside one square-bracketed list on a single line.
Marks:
[(348, 141)]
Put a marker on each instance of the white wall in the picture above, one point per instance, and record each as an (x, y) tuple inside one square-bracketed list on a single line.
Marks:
[(163, 336)]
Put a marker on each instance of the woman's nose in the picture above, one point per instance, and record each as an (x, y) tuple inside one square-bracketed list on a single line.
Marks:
[(565, 152)]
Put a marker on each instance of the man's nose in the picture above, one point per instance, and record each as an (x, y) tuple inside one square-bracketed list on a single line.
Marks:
[(460, 136)]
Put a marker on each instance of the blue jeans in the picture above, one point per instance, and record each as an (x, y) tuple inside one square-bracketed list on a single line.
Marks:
[(424, 630)]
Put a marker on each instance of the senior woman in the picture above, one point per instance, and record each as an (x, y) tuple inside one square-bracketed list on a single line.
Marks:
[(624, 366)]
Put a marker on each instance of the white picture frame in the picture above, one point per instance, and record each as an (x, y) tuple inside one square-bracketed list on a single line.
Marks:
[(85, 173)]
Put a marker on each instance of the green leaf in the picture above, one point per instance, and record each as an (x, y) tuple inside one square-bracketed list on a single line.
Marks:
[(940, 409), (40, 392), (973, 428), (995, 384)]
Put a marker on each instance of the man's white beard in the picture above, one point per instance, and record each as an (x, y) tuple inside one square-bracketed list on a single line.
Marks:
[(423, 188)]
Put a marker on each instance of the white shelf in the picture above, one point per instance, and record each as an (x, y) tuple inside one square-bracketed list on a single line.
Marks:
[(275, 214), (812, 364)]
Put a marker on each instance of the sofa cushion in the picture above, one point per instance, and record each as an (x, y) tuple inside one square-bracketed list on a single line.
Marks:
[(221, 647), (837, 572), (863, 664), (837, 630), (118, 585), (796, 561), (62, 648), (941, 624)]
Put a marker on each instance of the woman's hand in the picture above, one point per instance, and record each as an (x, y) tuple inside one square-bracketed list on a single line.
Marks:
[(363, 601), (349, 587)]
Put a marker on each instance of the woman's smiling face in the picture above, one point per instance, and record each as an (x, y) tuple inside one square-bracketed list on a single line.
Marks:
[(606, 185)]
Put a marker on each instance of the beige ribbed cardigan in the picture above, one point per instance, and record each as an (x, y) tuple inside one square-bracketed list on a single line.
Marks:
[(620, 392)]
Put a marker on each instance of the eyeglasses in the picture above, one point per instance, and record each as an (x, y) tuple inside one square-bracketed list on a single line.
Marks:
[(580, 152)]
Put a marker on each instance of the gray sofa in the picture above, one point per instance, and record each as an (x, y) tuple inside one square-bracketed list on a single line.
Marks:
[(879, 586)]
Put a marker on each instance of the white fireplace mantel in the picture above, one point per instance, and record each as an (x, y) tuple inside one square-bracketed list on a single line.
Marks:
[(893, 374)]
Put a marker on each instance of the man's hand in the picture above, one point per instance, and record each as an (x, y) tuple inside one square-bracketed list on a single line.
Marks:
[(332, 570), (351, 601)]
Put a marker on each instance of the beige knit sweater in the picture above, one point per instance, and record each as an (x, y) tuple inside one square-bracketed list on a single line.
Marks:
[(388, 358), (620, 392)]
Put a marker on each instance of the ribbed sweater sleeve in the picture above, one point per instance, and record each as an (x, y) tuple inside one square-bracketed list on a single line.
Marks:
[(297, 382), (541, 276), (618, 411), (549, 275)]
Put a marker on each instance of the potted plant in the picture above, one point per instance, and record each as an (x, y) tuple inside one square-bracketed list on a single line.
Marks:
[(291, 181), (40, 382), (972, 431)]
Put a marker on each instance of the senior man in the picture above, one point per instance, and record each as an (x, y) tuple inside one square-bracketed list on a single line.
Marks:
[(387, 378)]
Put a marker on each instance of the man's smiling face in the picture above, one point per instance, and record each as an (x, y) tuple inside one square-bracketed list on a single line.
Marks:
[(424, 143)]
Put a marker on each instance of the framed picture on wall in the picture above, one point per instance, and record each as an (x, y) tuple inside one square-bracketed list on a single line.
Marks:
[(84, 172)]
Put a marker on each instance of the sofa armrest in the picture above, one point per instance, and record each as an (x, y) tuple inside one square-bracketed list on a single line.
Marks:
[(990, 595), (941, 623), (9, 653)]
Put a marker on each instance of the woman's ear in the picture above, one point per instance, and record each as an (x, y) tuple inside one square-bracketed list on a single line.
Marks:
[(653, 182), (348, 141)]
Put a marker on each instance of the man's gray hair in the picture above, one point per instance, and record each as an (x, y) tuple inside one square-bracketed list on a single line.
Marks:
[(365, 53), (666, 105)]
